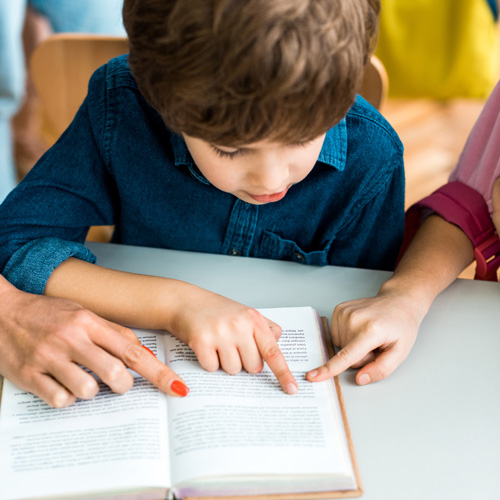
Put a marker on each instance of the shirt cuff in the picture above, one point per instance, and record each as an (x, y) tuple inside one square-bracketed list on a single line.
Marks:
[(30, 267)]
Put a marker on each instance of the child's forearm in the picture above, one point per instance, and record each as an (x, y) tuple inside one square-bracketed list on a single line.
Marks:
[(221, 332), (439, 252), (126, 298), (5, 286)]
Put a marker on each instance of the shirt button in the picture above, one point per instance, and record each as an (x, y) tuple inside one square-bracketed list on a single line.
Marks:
[(299, 256), (234, 251)]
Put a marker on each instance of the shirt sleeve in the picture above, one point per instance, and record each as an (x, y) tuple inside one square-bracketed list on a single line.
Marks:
[(24, 271), (479, 163), (45, 219)]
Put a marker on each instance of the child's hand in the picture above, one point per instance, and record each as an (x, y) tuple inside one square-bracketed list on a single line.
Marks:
[(224, 333), (375, 333), (44, 339)]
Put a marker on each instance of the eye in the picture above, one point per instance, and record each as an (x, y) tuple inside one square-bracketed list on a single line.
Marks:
[(301, 144), (225, 154)]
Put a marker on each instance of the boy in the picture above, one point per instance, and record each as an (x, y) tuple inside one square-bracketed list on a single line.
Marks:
[(231, 128)]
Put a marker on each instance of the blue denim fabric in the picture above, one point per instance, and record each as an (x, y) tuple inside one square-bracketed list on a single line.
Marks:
[(118, 164), (82, 16), (493, 4)]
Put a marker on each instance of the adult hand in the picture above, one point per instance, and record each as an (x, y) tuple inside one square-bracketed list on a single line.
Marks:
[(44, 339)]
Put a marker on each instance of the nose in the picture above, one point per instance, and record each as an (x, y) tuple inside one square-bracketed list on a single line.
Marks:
[(269, 177)]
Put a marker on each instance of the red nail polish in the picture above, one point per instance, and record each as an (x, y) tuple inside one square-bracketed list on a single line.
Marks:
[(179, 388), (148, 349)]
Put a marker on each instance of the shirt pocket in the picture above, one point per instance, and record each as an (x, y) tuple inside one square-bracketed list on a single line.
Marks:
[(275, 247)]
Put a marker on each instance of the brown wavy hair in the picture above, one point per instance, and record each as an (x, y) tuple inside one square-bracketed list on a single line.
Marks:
[(234, 72)]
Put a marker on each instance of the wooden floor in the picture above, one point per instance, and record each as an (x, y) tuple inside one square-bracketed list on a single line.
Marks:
[(433, 134)]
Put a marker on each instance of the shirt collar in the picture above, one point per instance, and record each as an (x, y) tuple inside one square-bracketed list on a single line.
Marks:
[(333, 151), (182, 156), (181, 152)]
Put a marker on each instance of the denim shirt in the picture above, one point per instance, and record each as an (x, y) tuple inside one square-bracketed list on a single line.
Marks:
[(117, 163)]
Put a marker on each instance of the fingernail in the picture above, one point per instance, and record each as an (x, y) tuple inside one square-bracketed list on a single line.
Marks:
[(364, 379), (291, 388), (313, 373), (179, 388), (148, 349)]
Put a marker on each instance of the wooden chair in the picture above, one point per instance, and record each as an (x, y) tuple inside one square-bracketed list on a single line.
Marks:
[(61, 67), (375, 83)]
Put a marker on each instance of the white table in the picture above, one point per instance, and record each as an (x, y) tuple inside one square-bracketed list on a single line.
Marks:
[(429, 431)]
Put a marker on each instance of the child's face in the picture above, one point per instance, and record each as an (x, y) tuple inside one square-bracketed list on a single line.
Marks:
[(257, 173)]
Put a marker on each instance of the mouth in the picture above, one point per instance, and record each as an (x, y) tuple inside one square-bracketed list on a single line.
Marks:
[(269, 198)]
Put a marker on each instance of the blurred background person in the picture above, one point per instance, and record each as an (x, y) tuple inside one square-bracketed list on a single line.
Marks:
[(23, 25)]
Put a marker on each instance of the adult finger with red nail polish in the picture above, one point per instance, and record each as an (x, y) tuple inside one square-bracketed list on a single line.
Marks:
[(160, 375), (46, 342)]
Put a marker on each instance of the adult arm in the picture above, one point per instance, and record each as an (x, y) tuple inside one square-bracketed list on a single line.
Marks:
[(43, 341)]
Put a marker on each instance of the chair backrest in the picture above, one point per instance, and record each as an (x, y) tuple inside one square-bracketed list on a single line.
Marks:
[(61, 67), (375, 83)]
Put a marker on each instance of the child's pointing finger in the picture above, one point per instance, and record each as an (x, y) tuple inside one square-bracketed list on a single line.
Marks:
[(272, 355), (350, 355)]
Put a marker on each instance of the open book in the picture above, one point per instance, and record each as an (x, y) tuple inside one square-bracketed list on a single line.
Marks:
[(232, 436)]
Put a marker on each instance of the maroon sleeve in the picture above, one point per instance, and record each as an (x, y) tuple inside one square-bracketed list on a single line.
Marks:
[(463, 206)]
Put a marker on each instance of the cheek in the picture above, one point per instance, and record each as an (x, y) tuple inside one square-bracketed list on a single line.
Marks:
[(220, 176), (305, 162)]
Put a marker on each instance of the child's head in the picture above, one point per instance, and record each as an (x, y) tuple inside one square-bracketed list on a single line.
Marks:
[(237, 72)]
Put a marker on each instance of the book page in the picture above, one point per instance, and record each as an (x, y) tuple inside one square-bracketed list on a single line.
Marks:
[(93, 445), (245, 424)]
